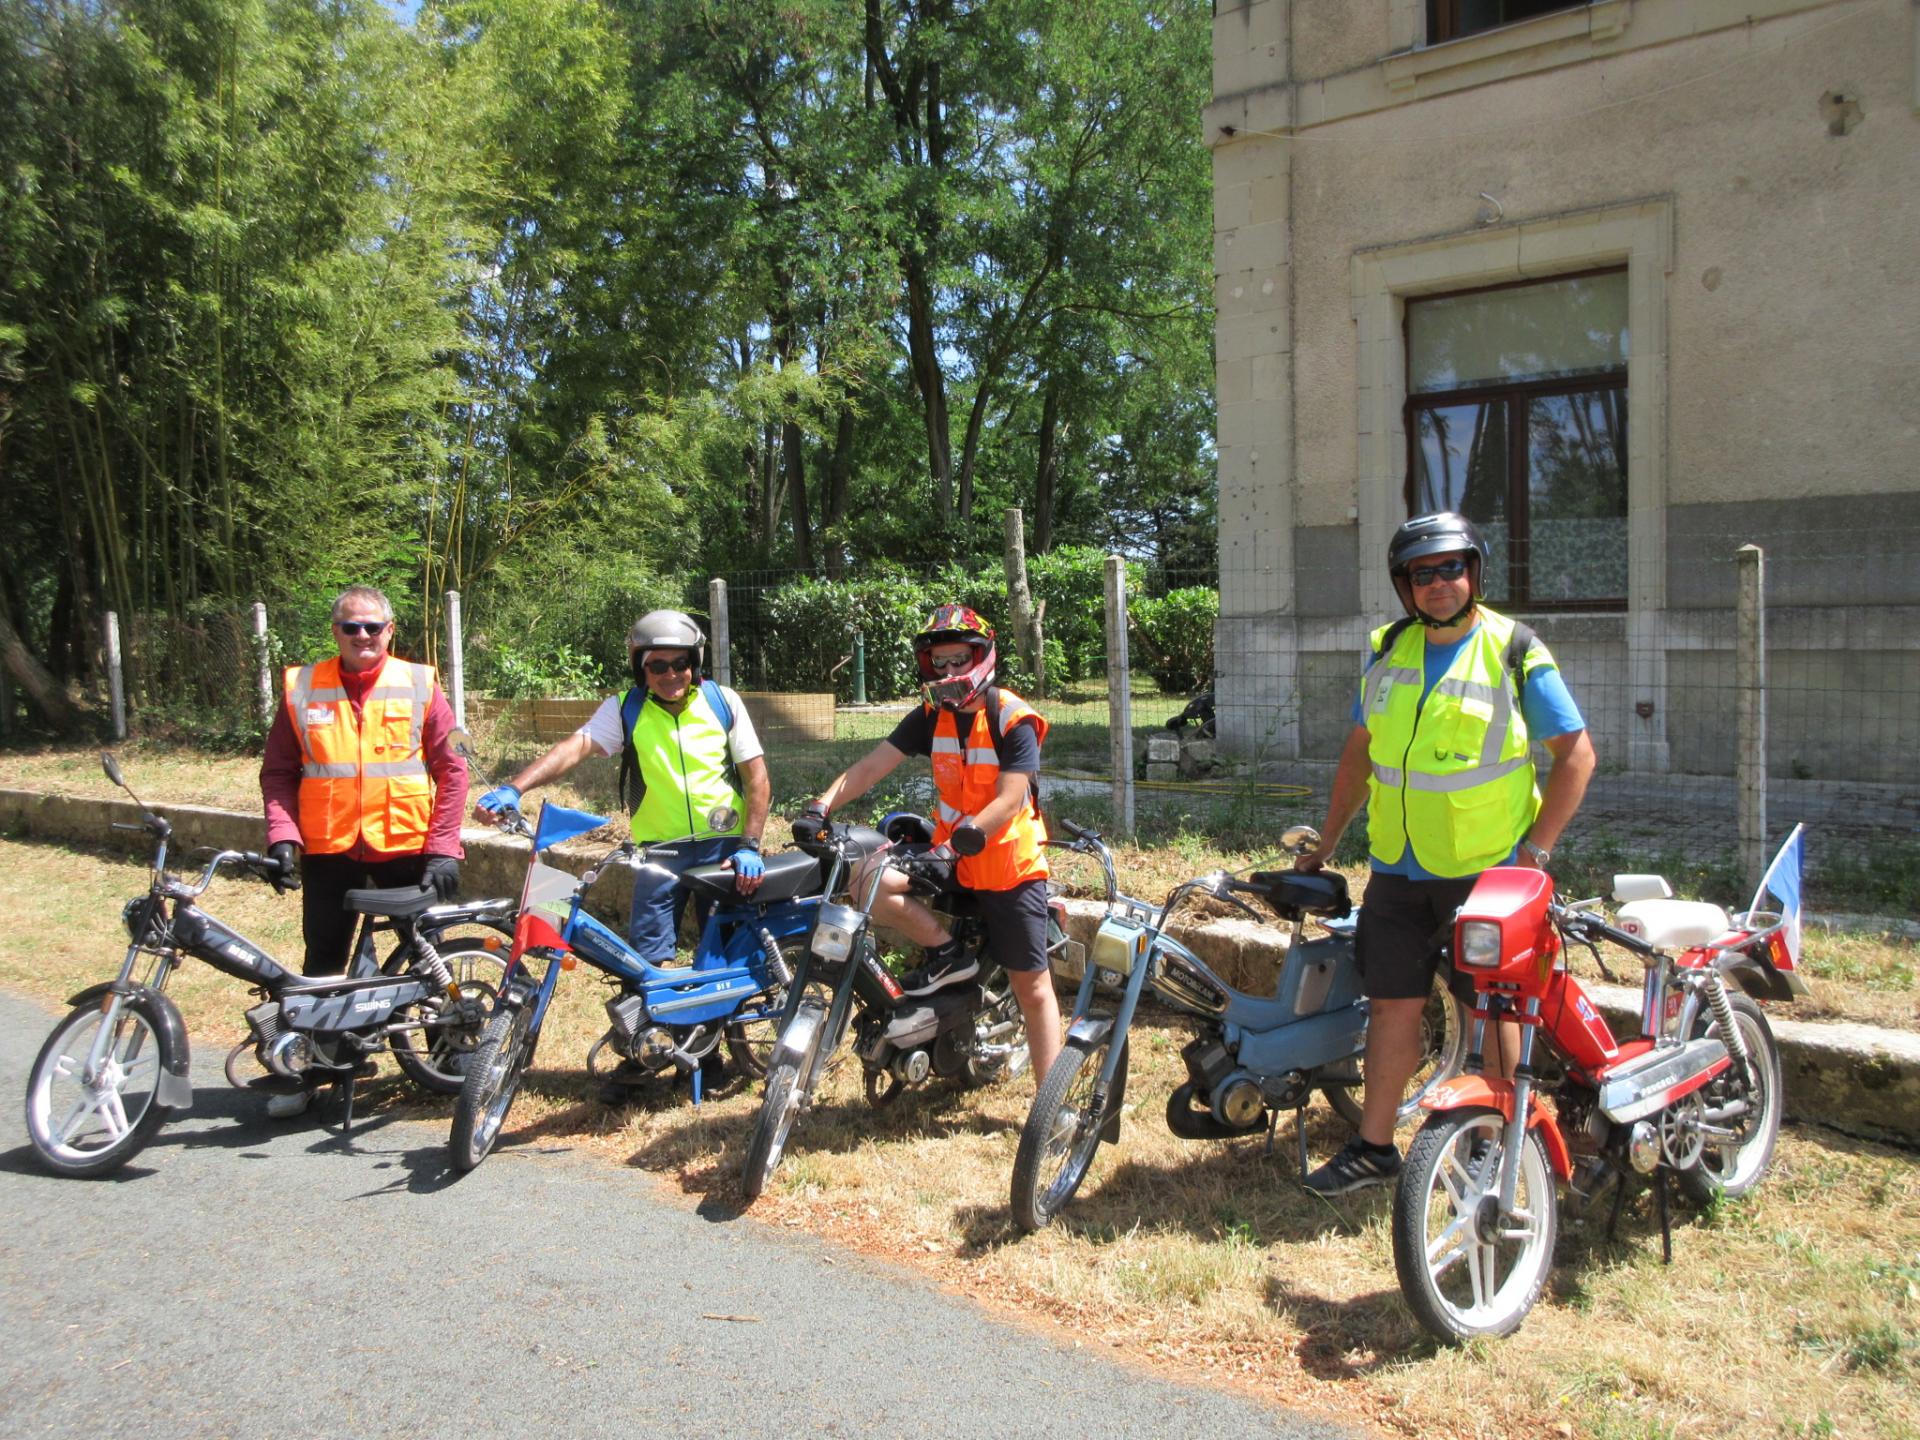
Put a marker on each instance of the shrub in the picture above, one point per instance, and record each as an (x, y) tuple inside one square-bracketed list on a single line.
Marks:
[(1175, 636)]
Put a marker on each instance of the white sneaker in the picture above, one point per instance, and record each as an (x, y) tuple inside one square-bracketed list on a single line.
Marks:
[(285, 1107)]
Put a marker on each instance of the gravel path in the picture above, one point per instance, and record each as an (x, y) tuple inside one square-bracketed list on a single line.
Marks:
[(247, 1277)]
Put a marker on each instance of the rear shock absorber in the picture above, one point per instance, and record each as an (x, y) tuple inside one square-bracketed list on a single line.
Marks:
[(1716, 987), (777, 968), (428, 962)]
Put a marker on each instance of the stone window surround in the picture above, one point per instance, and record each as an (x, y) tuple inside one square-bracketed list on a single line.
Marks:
[(1637, 233), (1597, 21)]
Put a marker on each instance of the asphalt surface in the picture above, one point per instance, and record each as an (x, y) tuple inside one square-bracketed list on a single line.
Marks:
[(245, 1277)]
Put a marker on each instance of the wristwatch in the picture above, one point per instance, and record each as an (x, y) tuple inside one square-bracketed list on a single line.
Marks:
[(1540, 857), (746, 844)]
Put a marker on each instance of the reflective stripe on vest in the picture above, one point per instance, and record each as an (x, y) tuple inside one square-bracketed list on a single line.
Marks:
[(363, 775), (683, 764), (968, 778), (1451, 774)]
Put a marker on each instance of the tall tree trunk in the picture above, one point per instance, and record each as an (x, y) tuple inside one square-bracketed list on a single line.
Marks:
[(839, 473), (1046, 471), (43, 691), (1019, 596), (929, 381), (793, 447)]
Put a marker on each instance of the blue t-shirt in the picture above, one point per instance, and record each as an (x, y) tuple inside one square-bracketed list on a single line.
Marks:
[(1546, 706)]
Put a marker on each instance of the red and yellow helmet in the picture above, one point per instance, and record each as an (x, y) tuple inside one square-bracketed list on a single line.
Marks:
[(950, 625)]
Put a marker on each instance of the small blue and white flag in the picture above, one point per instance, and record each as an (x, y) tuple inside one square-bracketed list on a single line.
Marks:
[(1780, 891)]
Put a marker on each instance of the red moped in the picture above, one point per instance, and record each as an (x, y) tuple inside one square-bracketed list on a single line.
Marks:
[(1696, 1096)]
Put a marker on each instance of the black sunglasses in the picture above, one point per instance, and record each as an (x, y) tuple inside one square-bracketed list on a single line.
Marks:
[(361, 627), (666, 667), (1445, 570)]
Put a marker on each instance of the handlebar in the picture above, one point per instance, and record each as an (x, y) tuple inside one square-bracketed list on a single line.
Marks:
[(265, 866)]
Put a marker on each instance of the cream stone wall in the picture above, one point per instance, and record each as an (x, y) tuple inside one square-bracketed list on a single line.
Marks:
[(1776, 146)]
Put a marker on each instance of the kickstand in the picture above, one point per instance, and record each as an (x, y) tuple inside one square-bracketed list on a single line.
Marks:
[(699, 1074), (1619, 1204), (346, 1085), (1666, 1223)]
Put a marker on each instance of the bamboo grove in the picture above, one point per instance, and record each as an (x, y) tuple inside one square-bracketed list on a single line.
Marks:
[(567, 304)]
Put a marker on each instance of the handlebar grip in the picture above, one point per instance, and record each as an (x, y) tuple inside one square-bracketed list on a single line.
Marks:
[(1078, 832), (123, 825)]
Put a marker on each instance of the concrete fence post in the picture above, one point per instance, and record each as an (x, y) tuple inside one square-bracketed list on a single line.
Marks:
[(262, 662), (721, 656), (1119, 694), (1750, 686), (456, 661), (116, 679)]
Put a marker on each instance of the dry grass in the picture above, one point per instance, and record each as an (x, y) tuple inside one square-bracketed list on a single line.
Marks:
[(1794, 1313)]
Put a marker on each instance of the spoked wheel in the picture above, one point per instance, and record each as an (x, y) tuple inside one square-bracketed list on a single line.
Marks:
[(1465, 1267), (1444, 1024), (493, 1079), (85, 1123), (755, 1030), (1733, 1165), (437, 1057), (1062, 1132), (779, 1108)]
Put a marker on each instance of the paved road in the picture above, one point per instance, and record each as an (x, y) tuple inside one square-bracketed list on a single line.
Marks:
[(247, 1277)]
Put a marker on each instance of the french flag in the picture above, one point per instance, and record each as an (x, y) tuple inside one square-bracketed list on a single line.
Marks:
[(1780, 892)]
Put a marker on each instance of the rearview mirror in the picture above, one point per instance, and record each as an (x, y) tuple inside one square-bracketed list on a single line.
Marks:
[(112, 767), (461, 743), (1299, 839), (722, 818), (968, 840)]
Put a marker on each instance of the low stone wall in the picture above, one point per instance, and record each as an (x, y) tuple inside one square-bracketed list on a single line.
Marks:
[(776, 715), (1856, 1078)]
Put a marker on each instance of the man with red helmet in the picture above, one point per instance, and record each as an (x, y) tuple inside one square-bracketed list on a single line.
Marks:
[(984, 743)]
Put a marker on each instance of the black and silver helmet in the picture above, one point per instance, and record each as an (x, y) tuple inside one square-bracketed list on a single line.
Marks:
[(1445, 532)]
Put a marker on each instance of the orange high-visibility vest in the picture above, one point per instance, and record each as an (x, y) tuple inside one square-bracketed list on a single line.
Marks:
[(968, 777), (362, 776)]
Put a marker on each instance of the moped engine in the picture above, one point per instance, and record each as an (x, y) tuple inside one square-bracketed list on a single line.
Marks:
[(288, 1055)]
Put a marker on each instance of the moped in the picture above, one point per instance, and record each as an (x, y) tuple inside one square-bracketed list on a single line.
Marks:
[(973, 1033), (1696, 1096), (665, 1018), (117, 1068), (1255, 1056)]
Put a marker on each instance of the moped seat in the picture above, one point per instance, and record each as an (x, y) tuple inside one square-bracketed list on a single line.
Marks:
[(1664, 923), (789, 874), (403, 902), (1293, 894)]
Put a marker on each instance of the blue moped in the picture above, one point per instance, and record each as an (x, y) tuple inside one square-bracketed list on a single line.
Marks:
[(1254, 1057), (664, 1018)]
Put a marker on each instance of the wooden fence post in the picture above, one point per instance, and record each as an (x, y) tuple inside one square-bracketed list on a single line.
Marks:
[(456, 661), (720, 655), (116, 680), (261, 662), (1750, 686), (1119, 694)]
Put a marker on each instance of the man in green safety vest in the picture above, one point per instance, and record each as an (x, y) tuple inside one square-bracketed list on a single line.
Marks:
[(1452, 697), (693, 752)]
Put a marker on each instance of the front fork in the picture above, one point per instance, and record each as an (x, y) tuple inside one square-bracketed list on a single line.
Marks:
[(110, 1011), (1516, 1132)]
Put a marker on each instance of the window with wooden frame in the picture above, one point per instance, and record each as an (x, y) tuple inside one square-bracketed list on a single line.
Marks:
[(1516, 417), (1450, 19)]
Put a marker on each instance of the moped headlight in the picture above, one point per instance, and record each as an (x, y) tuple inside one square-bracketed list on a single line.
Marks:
[(1480, 944), (1115, 945), (834, 931)]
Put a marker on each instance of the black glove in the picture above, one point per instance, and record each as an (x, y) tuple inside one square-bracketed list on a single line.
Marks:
[(813, 820), (286, 855), (443, 874)]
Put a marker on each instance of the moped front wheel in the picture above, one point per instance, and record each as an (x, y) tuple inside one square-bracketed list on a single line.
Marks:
[(1730, 1166), (438, 1056), (493, 1079), (85, 1123), (1466, 1266), (755, 1030), (1444, 1027), (1063, 1131), (779, 1108)]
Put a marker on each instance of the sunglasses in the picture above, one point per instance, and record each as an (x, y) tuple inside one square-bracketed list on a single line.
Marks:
[(952, 662), (1445, 570), (667, 667), (361, 627)]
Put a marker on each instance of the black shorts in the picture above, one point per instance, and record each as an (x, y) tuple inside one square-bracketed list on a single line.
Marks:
[(1403, 925), (1015, 922)]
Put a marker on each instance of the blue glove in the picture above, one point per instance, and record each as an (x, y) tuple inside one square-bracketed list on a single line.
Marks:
[(747, 864), (501, 797)]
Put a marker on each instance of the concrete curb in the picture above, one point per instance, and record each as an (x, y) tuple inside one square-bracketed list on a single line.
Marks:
[(1856, 1078)]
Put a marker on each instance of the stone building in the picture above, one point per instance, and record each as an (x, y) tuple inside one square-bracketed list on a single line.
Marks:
[(1631, 282)]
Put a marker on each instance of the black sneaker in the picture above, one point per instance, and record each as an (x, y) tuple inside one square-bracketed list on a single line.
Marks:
[(949, 965), (1355, 1168)]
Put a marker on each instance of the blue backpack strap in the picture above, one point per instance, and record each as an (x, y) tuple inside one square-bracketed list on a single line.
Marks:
[(717, 702), (629, 759)]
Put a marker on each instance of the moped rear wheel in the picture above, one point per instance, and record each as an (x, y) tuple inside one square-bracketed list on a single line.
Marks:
[(751, 1038), (437, 1057), (493, 1079), (1444, 1026), (1465, 1267), (87, 1127), (1062, 1133), (1730, 1168)]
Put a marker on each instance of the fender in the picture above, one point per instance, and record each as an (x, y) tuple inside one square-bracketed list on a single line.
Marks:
[(798, 1036), (1471, 1091), (175, 1088), (1094, 1029)]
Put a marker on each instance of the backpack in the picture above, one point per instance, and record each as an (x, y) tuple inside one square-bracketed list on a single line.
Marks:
[(630, 704), (1518, 644)]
